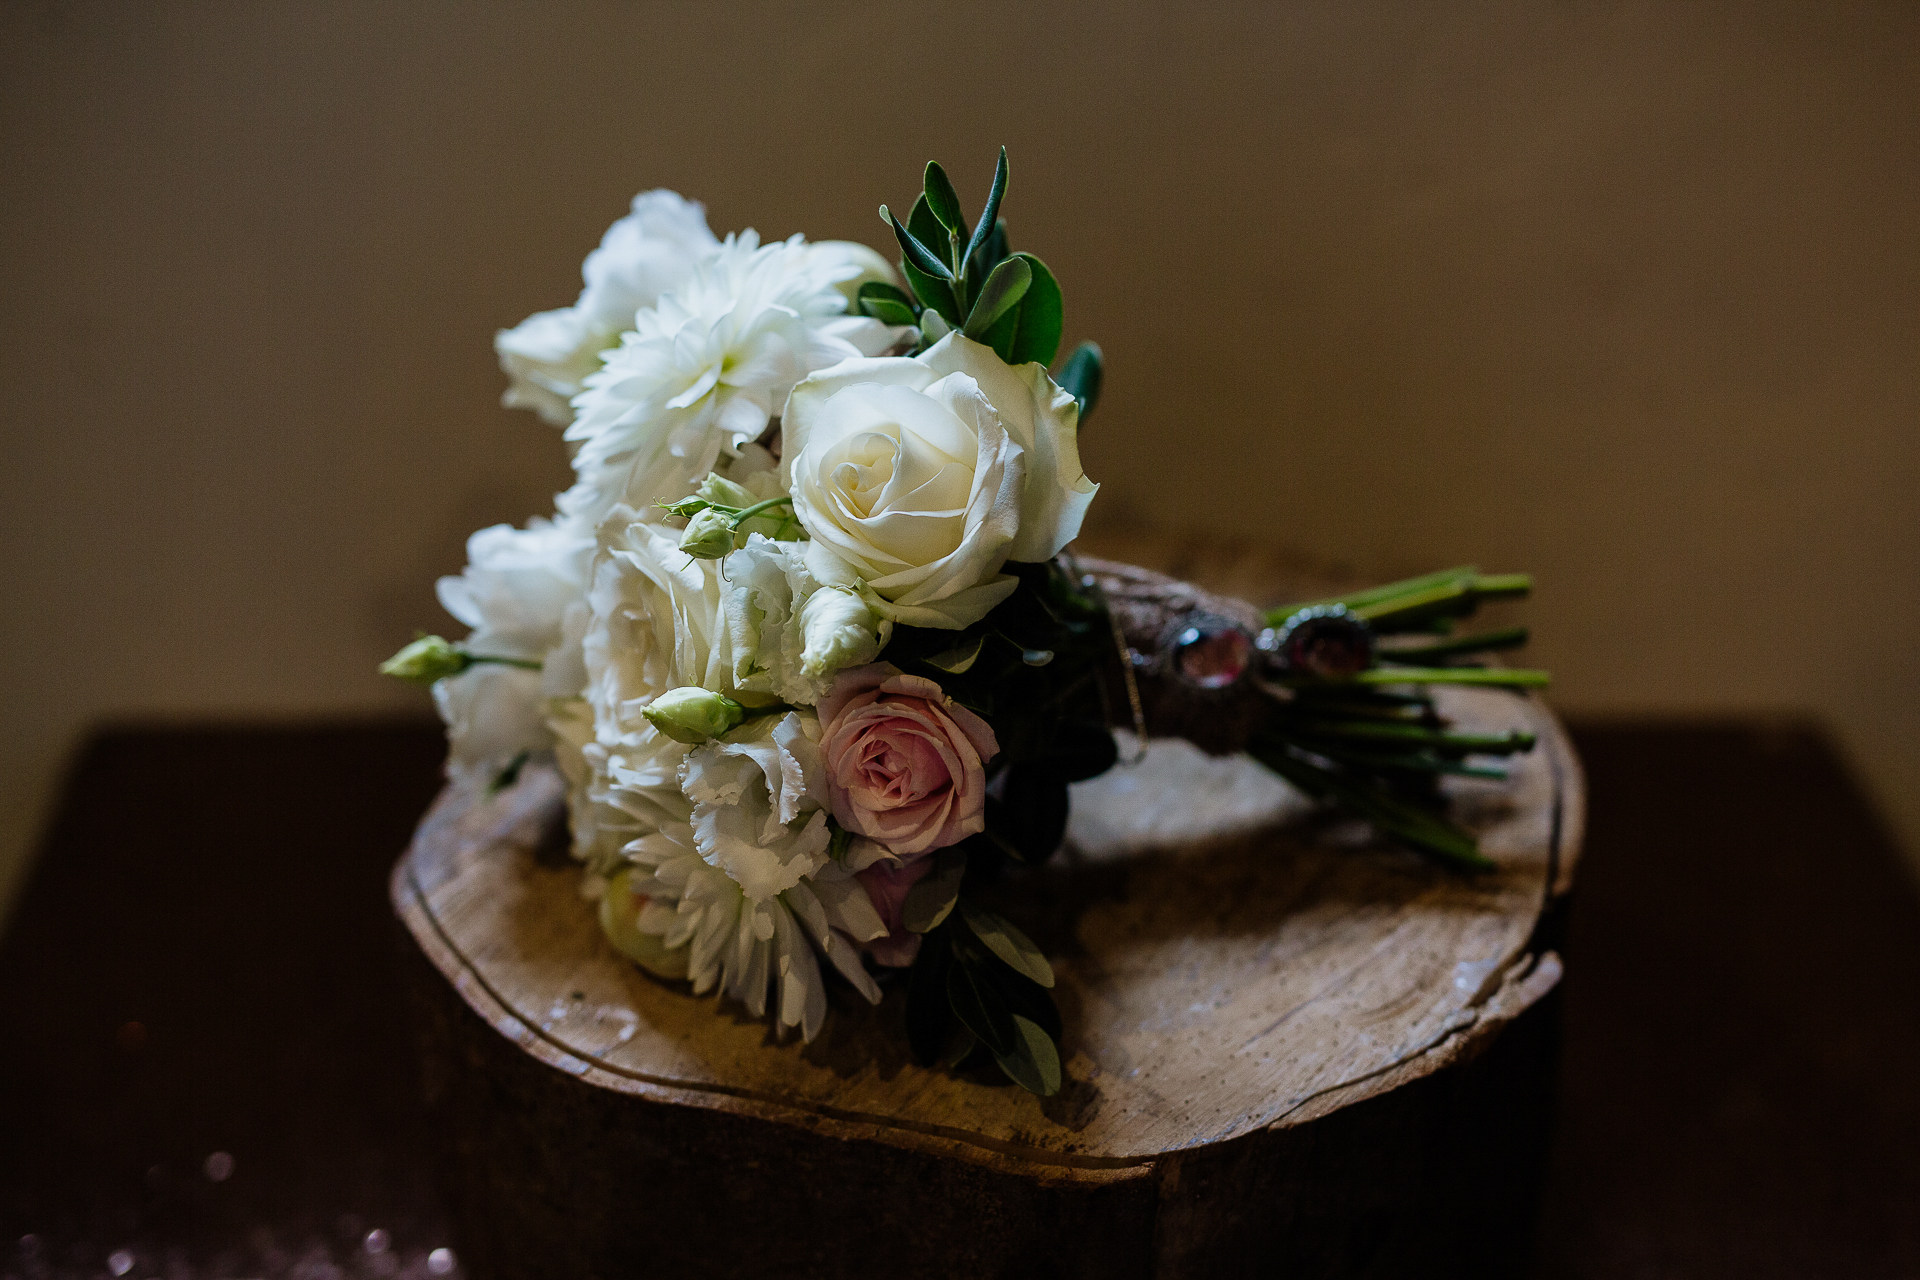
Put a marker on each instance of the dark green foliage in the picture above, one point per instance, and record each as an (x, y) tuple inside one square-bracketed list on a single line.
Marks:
[(990, 222), (1081, 376), (967, 280), (1031, 332), (943, 203), (974, 983), (887, 304), (1003, 291)]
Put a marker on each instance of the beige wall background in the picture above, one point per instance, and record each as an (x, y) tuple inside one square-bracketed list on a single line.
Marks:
[(1625, 294)]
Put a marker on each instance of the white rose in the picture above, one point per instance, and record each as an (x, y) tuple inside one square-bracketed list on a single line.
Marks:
[(548, 356), (925, 475)]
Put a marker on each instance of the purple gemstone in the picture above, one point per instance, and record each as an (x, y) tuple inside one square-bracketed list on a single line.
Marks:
[(1212, 655), (1327, 643)]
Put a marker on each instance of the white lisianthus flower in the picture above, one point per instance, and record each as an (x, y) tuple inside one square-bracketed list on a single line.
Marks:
[(759, 803), (749, 949), (548, 356), (656, 623), (840, 628), (519, 592), (704, 370), (925, 475), (788, 632)]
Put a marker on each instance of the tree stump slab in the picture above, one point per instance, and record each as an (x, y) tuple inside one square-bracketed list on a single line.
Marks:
[(1259, 1002)]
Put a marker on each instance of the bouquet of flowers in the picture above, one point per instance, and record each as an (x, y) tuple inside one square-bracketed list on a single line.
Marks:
[(806, 640)]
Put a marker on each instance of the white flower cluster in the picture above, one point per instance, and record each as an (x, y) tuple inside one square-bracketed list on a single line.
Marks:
[(743, 374)]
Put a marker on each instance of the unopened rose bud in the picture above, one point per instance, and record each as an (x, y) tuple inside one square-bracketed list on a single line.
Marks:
[(709, 535), (840, 630), (426, 660), (693, 715)]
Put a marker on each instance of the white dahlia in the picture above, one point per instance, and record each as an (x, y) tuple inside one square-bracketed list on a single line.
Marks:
[(704, 370), (548, 356)]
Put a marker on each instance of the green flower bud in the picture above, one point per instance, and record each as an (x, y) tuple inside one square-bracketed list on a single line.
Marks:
[(722, 492), (840, 630), (426, 660), (693, 715), (709, 535), (775, 521), (686, 508)]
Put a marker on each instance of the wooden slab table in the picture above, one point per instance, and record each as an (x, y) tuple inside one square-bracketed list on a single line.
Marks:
[(1235, 973)]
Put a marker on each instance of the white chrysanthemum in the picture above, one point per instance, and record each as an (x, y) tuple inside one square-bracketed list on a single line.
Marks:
[(548, 356), (706, 368), (747, 949), (604, 816), (520, 591)]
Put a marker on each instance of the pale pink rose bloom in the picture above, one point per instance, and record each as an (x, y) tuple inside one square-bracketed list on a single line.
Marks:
[(886, 884), (904, 763)]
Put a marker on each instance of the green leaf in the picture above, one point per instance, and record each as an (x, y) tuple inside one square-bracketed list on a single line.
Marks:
[(960, 1042), (1004, 940), (929, 902), (990, 216), (886, 303), (991, 254), (1033, 1063), (959, 659), (917, 254), (1021, 994), (930, 1021), (943, 201), (935, 295), (925, 226), (933, 327), (1031, 332), (981, 1009), (1002, 292), (1081, 377)]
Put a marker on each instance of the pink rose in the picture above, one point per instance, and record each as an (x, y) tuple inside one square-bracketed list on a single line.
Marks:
[(886, 885), (904, 764)]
